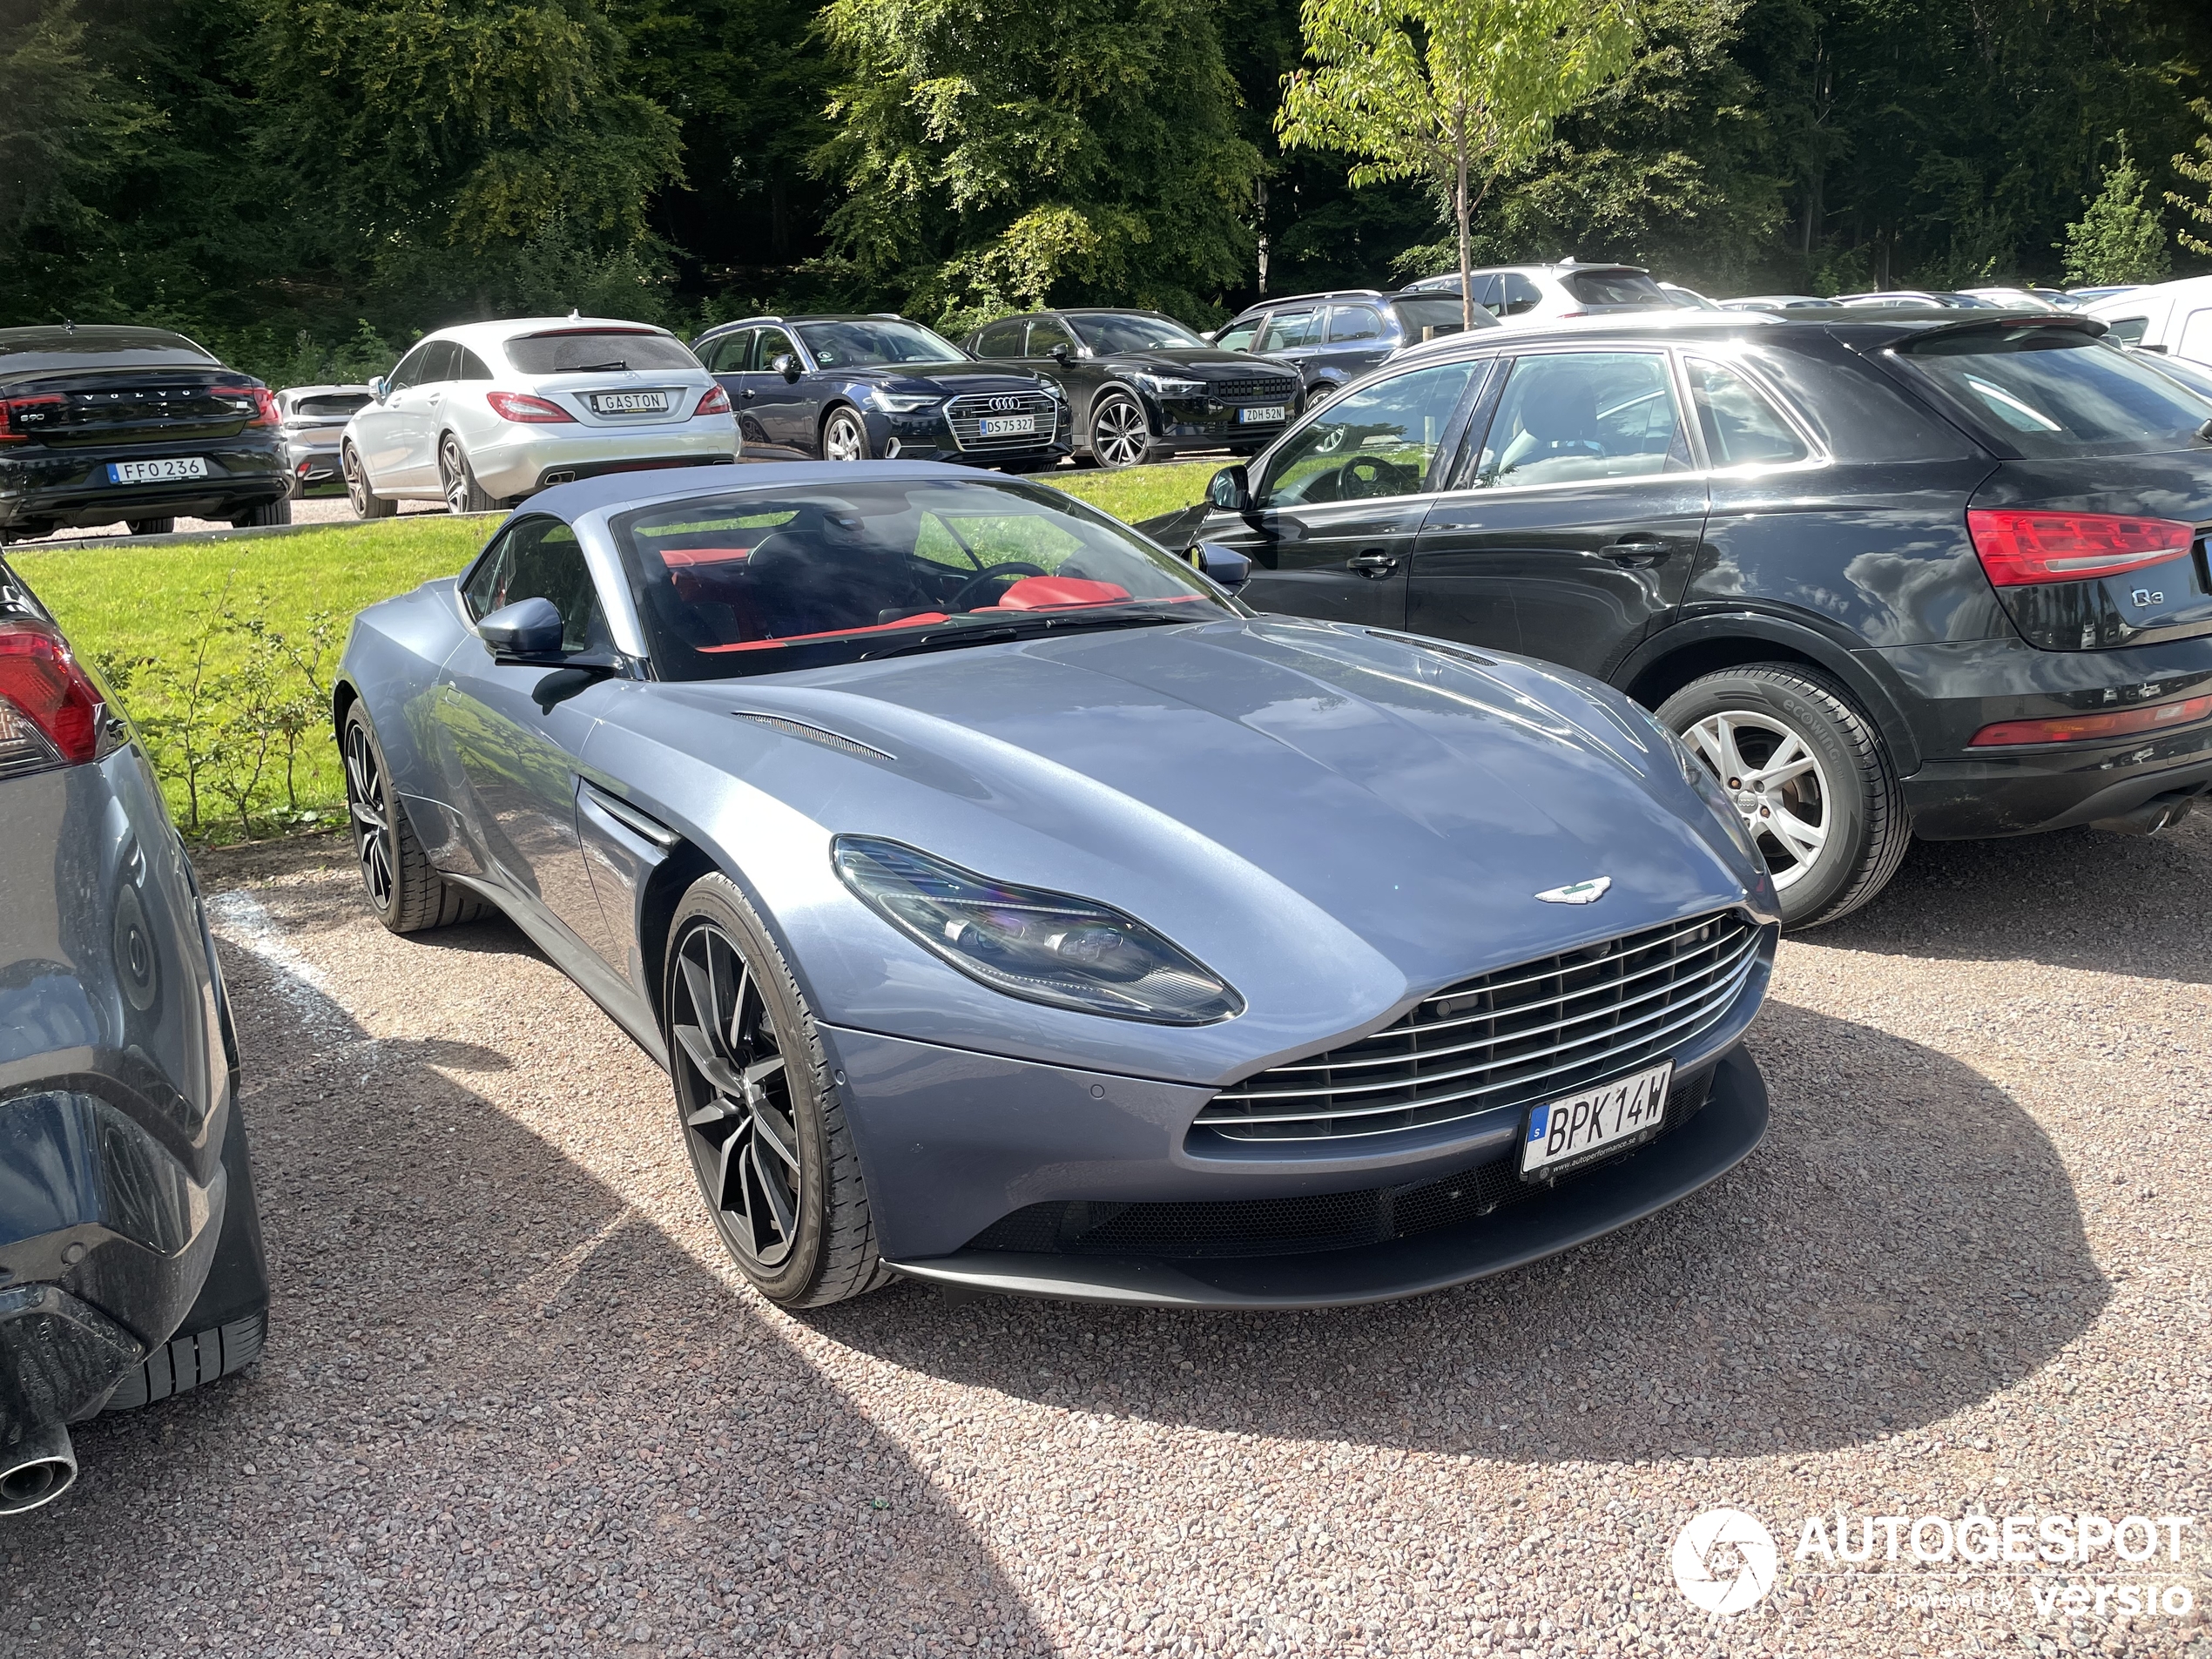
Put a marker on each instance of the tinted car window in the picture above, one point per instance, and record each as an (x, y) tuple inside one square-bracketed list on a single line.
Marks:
[(1133, 332), (575, 351), (1239, 338), (1354, 322), (771, 344), (1425, 319), (1383, 441), (1002, 339), (469, 366), (726, 354), (330, 406), (1516, 294), (540, 558), (1614, 288), (1584, 415), (844, 345), (1045, 332), (2053, 391), (438, 358), (765, 580), (1287, 328), (2129, 330), (1742, 428), (409, 373)]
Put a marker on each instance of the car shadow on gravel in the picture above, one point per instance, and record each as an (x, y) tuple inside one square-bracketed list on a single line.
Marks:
[(500, 1411), (2083, 898), (1904, 1244)]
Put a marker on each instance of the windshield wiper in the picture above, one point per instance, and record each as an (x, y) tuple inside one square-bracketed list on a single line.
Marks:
[(595, 368)]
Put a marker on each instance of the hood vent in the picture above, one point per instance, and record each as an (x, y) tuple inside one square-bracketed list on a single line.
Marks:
[(815, 734)]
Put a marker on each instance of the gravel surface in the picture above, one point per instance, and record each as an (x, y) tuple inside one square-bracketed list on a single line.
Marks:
[(515, 1401)]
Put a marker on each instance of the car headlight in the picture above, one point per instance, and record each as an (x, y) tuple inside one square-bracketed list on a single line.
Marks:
[(1049, 947), (1166, 386), (906, 402)]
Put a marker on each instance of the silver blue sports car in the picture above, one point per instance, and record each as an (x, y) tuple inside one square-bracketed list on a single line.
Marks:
[(1013, 908)]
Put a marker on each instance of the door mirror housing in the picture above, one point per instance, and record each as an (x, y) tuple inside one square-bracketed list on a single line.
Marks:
[(1059, 354), (1230, 491), (379, 389), (785, 365), (528, 631), (1224, 566)]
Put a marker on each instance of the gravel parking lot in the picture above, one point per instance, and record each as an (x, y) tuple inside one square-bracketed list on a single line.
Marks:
[(516, 1402)]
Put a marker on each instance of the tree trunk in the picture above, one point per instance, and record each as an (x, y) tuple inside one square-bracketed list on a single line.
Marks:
[(1462, 212)]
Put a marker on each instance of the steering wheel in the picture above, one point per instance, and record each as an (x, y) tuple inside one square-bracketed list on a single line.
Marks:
[(976, 584), (1365, 476)]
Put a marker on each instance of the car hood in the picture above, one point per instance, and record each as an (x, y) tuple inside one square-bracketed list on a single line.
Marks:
[(1337, 821), (951, 382), (1212, 362)]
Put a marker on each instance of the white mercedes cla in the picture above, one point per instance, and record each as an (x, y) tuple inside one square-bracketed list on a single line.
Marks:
[(480, 415)]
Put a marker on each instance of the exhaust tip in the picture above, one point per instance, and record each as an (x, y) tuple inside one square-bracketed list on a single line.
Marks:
[(37, 1469)]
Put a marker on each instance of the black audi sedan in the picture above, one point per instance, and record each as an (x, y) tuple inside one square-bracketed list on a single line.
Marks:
[(1887, 573), (879, 387), (1330, 340), (1142, 386), (102, 424)]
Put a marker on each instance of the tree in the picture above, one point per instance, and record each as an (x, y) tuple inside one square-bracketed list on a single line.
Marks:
[(1455, 92), (2198, 169), (2118, 238)]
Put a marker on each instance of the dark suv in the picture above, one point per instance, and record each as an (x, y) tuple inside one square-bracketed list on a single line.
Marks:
[(879, 387), (1887, 573), (104, 423), (1333, 339)]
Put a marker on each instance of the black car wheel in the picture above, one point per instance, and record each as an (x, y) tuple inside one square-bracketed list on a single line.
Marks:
[(1810, 775), (367, 503), (151, 526), (405, 890), (463, 494), (270, 512), (759, 1112), (1120, 435), (845, 436)]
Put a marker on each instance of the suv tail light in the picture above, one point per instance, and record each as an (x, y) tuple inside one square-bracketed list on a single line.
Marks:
[(2021, 549), (2115, 723), (717, 402), (265, 404), (521, 407), (51, 711), (14, 409)]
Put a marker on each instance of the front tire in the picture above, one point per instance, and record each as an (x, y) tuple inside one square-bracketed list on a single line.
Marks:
[(758, 1110), (1120, 434), (845, 436), (367, 503), (462, 493), (1810, 777), (404, 889)]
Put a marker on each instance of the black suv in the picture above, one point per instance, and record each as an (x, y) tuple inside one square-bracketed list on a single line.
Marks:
[(879, 387), (1885, 573), (1142, 386), (1333, 339), (104, 423)]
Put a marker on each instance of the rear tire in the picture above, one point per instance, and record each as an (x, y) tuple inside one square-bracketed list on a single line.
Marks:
[(367, 503), (274, 512), (404, 889), (463, 494), (757, 1109), (1811, 776), (151, 526)]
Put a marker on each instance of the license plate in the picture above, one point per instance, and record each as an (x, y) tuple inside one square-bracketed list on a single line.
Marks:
[(1005, 426), (630, 403), (155, 472), (1595, 1123), (1273, 415)]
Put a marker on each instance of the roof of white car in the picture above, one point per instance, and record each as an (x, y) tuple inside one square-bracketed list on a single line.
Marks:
[(2184, 288), (497, 333)]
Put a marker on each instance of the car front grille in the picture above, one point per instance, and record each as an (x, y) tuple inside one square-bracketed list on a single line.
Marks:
[(1254, 391), (1198, 1230), (1534, 1031), (966, 416)]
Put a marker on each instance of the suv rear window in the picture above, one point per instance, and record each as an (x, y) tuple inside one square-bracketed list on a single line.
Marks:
[(1425, 317), (573, 352), (2054, 391), (1614, 288)]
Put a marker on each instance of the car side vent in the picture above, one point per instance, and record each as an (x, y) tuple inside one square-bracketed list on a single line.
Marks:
[(815, 734)]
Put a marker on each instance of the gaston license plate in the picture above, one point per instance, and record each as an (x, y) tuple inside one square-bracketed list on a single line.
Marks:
[(1274, 413), (155, 472), (1595, 1123), (630, 403), (1005, 426)]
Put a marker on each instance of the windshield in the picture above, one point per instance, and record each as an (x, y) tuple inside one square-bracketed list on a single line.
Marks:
[(763, 581), (1131, 332), (846, 345), (330, 405), (1426, 319), (2194, 376), (582, 351), (1614, 288), (2049, 390)]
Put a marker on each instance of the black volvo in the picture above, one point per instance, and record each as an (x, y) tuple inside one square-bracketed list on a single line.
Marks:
[(102, 423)]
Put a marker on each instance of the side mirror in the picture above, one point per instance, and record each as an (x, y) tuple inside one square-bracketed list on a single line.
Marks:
[(527, 631), (1061, 354), (1212, 336), (1224, 566), (785, 365), (2160, 350), (1230, 491), (379, 389)]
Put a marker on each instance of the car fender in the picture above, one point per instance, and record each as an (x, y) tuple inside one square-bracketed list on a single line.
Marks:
[(1706, 643)]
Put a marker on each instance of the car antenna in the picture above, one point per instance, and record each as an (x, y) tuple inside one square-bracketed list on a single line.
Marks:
[(574, 315)]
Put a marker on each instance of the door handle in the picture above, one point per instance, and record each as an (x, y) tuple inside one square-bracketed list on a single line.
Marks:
[(1374, 562), (747, 391), (1633, 551)]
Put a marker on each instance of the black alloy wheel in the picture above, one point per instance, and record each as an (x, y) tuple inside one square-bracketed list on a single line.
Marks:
[(462, 493), (368, 806), (366, 503), (404, 887), (1120, 435)]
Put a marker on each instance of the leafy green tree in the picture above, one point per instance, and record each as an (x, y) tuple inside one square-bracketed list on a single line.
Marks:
[(1000, 152), (2118, 238), (2195, 166), (1453, 93)]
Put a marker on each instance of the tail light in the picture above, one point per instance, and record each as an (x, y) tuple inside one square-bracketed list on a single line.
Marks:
[(2116, 723), (16, 413), (717, 402), (51, 711), (521, 407), (265, 404), (2022, 549)]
